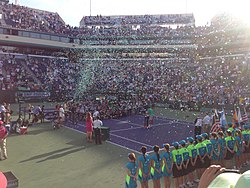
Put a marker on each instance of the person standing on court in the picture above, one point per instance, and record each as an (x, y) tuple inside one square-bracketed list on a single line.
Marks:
[(197, 126), (167, 167), (61, 116), (89, 127), (131, 171), (36, 112), (30, 109), (42, 114), (2, 112), (156, 167), (144, 168), (97, 130), (146, 120), (207, 123), (3, 136), (151, 116)]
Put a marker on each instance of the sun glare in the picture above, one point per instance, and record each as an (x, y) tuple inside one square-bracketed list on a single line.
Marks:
[(240, 11), (243, 17)]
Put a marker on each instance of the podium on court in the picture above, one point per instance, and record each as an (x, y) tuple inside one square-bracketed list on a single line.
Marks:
[(104, 133)]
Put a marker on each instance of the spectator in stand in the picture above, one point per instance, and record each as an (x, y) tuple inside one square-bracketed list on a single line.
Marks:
[(82, 112), (3, 136), (96, 114)]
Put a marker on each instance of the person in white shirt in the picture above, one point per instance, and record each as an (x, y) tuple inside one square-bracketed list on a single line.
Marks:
[(96, 114), (61, 115), (82, 112), (97, 124), (197, 126), (207, 123), (36, 112), (2, 111)]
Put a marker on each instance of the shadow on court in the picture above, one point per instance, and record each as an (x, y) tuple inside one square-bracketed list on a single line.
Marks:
[(47, 154), (59, 155), (36, 132)]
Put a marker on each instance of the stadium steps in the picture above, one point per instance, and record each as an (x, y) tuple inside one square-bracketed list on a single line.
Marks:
[(4, 72), (63, 82), (2, 21), (31, 73)]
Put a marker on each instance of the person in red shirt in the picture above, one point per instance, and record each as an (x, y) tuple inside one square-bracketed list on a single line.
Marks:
[(3, 136)]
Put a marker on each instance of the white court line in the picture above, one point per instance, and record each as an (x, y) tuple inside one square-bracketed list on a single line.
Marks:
[(110, 142), (124, 147), (81, 125), (131, 140), (129, 122), (143, 125), (73, 129), (118, 130), (170, 119)]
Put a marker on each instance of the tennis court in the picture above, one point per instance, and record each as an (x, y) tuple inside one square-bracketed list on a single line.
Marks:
[(129, 132), (62, 158)]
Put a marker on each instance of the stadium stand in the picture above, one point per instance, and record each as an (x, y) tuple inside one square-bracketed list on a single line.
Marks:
[(131, 54)]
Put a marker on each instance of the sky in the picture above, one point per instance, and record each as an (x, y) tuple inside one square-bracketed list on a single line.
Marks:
[(72, 11)]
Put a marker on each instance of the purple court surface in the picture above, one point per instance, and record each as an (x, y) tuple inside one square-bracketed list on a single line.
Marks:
[(129, 132)]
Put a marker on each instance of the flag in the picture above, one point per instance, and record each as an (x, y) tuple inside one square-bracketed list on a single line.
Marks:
[(244, 116), (239, 116), (216, 127), (235, 118), (215, 116), (241, 100), (223, 120)]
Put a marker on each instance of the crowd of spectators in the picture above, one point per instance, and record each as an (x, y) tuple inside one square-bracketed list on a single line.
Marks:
[(57, 75), (195, 79), (43, 21), (205, 81), (13, 74), (33, 19), (137, 30), (139, 53), (217, 81), (38, 74), (108, 106), (138, 19)]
